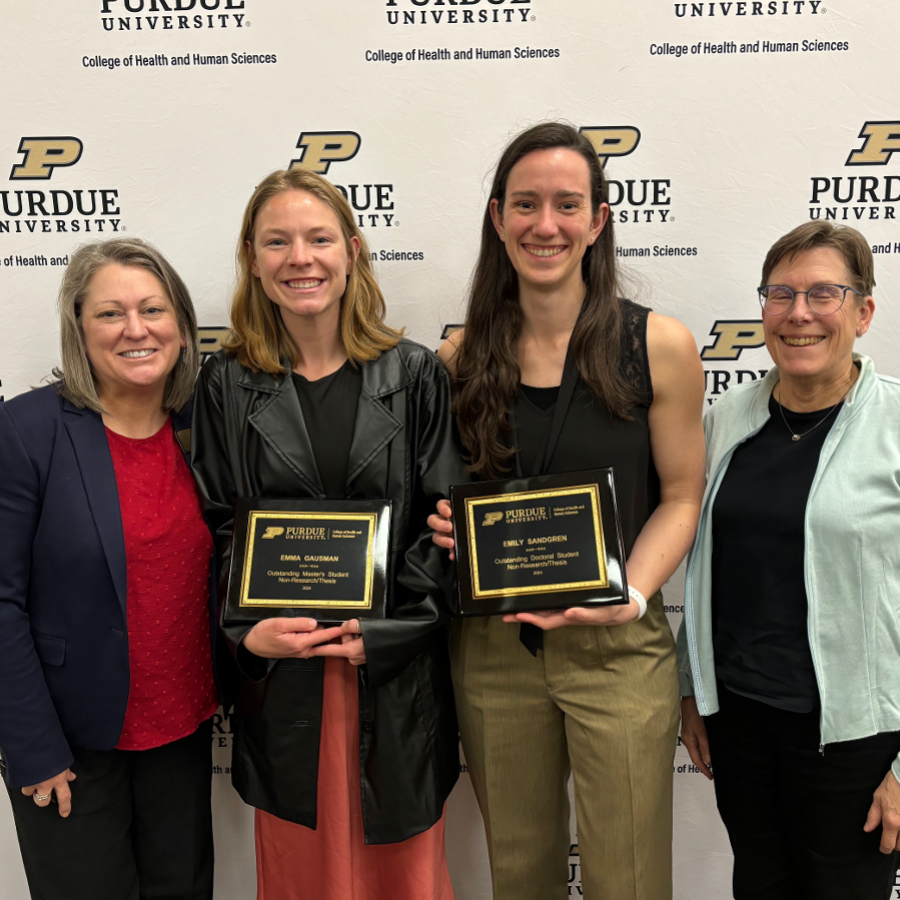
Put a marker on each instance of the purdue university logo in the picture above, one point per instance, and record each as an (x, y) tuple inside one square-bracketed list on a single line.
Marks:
[(733, 337), (169, 15), (497, 12), (612, 141), (631, 200), (322, 148), (882, 140), (272, 531), (61, 208), (210, 340), (492, 518), (862, 198), (44, 154), (373, 203)]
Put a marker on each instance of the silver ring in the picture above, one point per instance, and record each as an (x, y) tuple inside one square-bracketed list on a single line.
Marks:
[(41, 797), (358, 627)]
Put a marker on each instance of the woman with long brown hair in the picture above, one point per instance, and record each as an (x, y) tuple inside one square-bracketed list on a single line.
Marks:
[(346, 737), (591, 692)]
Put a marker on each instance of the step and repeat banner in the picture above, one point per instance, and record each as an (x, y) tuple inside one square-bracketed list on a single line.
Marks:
[(722, 125)]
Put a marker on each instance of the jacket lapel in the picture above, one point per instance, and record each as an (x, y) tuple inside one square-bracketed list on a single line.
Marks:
[(279, 420), (88, 439), (375, 424)]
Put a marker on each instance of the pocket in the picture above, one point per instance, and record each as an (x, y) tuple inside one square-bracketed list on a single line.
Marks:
[(51, 651), (887, 638), (649, 638)]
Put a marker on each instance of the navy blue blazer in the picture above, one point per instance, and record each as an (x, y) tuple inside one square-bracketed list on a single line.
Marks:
[(64, 673)]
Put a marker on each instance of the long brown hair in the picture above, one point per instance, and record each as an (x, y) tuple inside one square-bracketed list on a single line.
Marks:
[(258, 337), (487, 369)]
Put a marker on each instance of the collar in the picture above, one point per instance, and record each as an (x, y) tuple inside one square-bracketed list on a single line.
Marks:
[(385, 375), (858, 394)]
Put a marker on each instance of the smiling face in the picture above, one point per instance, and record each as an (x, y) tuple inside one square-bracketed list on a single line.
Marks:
[(300, 256), (131, 332), (547, 222), (810, 348)]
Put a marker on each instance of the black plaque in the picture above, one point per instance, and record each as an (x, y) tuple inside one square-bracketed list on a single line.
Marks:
[(546, 542), (325, 559)]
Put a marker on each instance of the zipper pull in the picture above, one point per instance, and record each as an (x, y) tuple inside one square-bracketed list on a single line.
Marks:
[(821, 749)]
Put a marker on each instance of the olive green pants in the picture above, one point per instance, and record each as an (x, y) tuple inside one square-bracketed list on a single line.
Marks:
[(599, 703)]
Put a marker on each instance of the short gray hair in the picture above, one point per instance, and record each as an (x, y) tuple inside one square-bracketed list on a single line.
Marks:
[(849, 242), (76, 380)]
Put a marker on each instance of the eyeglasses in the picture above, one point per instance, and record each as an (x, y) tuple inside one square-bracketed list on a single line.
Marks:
[(823, 299)]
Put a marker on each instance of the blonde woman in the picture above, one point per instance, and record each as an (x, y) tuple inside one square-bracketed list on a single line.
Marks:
[(347, 740), (106, 676)]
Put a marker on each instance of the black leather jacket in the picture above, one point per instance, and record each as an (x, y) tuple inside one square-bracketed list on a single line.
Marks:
[(249, 439)]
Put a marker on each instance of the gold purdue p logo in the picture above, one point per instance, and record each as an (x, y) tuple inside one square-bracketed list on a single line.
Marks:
[(272, 531), (882, 140), (322, 148), (733, 337), (612, 141), (44, 154), (210, 340), (492, 518)]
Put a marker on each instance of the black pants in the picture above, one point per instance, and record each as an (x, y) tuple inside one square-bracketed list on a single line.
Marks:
[(140, 827), (795, 815)]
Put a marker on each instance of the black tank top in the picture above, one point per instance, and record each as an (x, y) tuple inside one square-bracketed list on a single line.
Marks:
[(592, 438)]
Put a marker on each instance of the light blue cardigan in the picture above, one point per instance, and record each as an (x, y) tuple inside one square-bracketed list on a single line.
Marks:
[(852, 562)]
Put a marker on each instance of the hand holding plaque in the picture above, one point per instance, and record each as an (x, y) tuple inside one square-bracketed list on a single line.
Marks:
[(324, 559), (549, 541), (284, 637)]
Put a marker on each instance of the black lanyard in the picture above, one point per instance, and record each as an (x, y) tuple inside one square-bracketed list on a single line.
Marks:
[(563, 402), (531, 637)]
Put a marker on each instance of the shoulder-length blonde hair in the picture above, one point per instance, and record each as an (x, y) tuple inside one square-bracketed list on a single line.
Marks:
[(76, 380), (258, 336)]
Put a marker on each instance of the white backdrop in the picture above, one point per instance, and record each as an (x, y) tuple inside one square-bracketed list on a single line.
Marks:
[(724, 125)]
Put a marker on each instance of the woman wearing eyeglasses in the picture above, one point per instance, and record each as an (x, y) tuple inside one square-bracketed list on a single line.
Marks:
[(789, 654)]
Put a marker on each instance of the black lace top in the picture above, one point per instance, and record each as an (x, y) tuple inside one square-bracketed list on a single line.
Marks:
[(591, 438)]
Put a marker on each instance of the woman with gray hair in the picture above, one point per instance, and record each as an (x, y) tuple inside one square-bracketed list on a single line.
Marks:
[(106, 677), (789, 653)]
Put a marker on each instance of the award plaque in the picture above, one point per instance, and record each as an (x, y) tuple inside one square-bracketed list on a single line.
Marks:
[(545, 542), (325, 559)]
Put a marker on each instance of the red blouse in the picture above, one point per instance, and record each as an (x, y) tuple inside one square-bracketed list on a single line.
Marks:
[(168, 550)]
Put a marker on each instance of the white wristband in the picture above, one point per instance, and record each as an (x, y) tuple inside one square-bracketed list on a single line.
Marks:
[(640, 599)]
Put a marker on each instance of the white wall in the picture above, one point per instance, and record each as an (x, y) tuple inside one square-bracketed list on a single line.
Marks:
[(734, 145)]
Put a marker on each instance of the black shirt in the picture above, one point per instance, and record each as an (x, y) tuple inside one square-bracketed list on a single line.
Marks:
[(329, 411), (534, 416), (591, 438), (759, 603)]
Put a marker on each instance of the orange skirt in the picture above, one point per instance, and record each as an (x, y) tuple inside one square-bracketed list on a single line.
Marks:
[(333, 861)]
